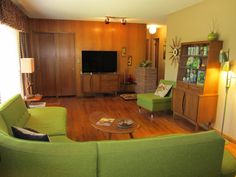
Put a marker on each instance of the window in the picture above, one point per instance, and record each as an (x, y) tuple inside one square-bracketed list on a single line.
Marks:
[(10, 80)]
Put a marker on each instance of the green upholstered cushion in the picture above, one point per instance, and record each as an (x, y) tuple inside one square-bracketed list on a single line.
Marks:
[(193, 155), (152, 102), (228, 165), (22, 158), (3, 126), (150, 97), (60, 138), (14, 112), (48, 120)]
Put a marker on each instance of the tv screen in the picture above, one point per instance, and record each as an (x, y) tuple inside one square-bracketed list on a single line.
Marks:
[(99, 61)]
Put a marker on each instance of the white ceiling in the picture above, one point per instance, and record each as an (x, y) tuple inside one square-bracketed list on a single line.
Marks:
[(136, 11)]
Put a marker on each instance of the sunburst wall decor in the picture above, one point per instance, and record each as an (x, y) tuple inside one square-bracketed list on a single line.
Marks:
[(175, 50)]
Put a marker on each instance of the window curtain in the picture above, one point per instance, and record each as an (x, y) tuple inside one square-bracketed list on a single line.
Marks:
[(24, 45), (10, 80), (24, 53), (12, 16)]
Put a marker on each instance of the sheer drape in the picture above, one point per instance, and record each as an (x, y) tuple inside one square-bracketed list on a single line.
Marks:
[(10, 82)]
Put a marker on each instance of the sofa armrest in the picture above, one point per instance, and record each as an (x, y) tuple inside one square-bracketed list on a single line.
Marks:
[(228, 165)]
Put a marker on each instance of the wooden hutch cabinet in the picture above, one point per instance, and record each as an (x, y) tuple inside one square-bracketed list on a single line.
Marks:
[(196, 93)]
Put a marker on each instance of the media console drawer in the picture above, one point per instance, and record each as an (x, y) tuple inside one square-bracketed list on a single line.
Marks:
[(100, 83)]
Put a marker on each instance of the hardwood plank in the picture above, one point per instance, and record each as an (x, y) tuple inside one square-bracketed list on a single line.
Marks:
[(232, 148), (80, 129), (79, 110)]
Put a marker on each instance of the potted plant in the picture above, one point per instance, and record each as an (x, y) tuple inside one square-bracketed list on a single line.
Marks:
[(145, 63), (213, 35)]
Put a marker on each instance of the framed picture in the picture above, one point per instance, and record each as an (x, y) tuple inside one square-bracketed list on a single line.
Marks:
[(123, 51), (164, 51), (129, 61), (200, 77)]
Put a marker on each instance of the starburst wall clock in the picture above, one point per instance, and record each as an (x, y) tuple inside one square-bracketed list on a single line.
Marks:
[(175, 50)]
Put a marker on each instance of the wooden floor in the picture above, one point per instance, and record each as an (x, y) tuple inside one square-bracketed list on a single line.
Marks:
[(80, 110)]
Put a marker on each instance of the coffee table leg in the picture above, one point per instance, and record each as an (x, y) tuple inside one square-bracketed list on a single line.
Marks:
[(109, 136), (131, 135)]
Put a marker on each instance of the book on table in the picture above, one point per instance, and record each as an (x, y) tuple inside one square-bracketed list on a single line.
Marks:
[(104, 121), (37, 104)]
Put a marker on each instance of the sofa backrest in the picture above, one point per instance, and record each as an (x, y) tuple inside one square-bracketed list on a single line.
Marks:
[(169, 82), (14, 112), (193, 155), (3, 127), (25, 158)]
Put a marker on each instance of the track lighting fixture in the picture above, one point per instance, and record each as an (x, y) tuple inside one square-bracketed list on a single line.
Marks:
[(123, 20)]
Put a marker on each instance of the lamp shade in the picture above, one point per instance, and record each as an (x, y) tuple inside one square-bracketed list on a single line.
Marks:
[(27, 65)]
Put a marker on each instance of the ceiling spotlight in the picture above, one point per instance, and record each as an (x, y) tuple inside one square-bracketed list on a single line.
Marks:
[(123, 21), (152, 29), (107, 20)]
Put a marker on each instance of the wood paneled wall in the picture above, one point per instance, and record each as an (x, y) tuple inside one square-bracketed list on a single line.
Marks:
[(99, 36)]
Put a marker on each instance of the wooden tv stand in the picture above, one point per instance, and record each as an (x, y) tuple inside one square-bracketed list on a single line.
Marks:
[(100, 83)]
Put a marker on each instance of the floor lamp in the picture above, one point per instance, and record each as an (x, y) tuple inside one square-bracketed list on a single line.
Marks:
[(225, 65), (27, 67)]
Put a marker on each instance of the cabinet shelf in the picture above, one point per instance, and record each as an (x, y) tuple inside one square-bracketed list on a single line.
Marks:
[(197, 100), (185, 67), (201, 56)]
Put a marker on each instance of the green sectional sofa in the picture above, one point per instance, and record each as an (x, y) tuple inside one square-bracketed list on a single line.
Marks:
[(179, 155)]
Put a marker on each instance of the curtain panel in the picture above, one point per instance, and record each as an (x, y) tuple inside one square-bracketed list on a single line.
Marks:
[(24, 53), (24, 45), (11, 15)]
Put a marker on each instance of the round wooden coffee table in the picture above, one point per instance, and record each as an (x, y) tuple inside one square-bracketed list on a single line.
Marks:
[(113, 128)]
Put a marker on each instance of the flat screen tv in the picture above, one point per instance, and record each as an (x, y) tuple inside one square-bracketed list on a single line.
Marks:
[(99, 61)]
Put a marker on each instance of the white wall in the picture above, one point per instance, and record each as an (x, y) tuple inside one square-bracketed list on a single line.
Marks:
[(193, 24)]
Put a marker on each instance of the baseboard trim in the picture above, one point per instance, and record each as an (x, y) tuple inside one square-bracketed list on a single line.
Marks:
[(227, 137)]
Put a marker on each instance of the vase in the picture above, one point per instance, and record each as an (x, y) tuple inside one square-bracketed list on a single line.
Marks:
[(212, 36)]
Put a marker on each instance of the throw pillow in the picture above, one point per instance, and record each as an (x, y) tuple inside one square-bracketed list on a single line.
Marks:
[(162, 90), (23, 133)]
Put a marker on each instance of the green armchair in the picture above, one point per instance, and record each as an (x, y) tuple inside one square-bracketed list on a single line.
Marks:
[(154, 103)]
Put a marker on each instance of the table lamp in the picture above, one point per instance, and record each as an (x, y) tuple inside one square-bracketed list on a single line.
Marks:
[(27, 67)]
